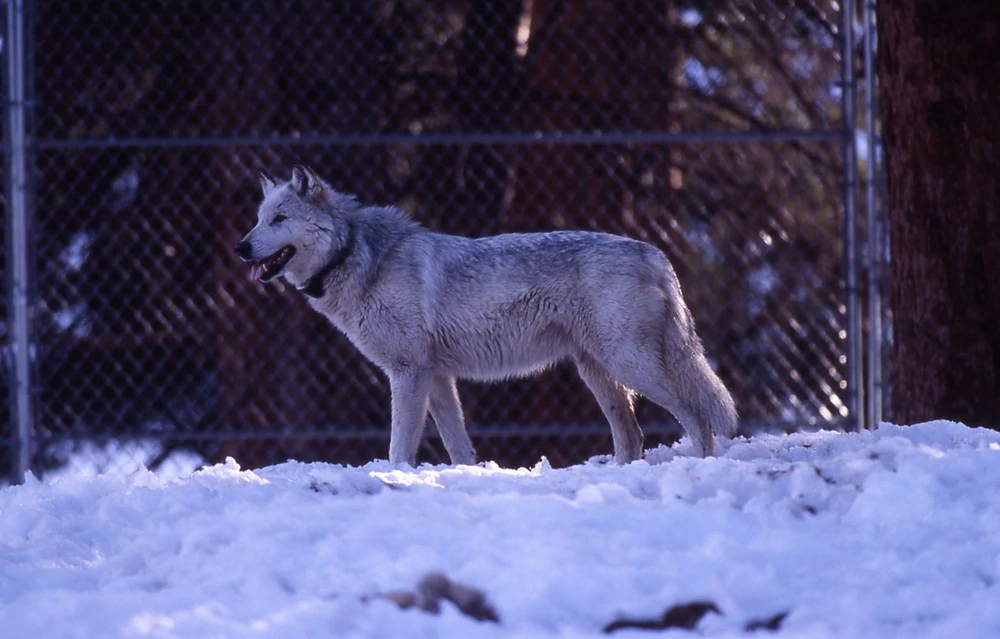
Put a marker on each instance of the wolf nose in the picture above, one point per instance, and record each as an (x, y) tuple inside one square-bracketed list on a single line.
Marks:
[(243, 249)]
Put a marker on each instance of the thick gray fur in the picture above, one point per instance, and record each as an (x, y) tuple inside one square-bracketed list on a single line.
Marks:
[(429, 308)]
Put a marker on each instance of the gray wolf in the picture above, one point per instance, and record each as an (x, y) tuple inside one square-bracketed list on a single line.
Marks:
[(430, 308)]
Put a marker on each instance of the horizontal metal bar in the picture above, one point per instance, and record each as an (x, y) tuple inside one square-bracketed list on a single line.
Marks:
[(345, 433), (749, 426), (426, 139)]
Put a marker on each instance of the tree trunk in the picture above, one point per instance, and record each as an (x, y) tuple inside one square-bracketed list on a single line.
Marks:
[(938, 68)]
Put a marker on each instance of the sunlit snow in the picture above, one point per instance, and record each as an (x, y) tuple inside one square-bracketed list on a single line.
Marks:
[(894, 533)]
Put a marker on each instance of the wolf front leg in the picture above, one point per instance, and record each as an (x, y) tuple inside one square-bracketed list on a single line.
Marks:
[(410, 392)]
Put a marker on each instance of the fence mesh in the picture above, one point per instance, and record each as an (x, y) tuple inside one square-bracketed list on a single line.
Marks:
[(710, 128)]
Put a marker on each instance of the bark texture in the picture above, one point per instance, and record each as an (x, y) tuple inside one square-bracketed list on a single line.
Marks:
[(939, 64)]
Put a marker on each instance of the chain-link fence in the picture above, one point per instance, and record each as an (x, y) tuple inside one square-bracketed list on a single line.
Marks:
[(710, 128)]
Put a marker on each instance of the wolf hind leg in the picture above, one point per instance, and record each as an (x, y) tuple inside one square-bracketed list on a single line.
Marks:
[(616, 403), (410, 393), (697, 428), (446, 410), (691, 391)]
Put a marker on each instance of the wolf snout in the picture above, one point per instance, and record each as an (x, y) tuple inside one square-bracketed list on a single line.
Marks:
[(243, 249)]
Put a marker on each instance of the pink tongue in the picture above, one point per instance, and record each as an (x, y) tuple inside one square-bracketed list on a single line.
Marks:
[(256, 271)]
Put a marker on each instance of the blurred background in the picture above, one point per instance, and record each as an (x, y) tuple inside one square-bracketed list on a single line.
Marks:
[(714, 129)]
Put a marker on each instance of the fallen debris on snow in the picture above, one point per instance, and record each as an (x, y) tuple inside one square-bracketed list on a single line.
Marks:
[(434, 587)]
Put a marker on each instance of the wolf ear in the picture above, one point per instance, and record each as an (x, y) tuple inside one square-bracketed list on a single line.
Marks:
[(267, 181), (305, 182)]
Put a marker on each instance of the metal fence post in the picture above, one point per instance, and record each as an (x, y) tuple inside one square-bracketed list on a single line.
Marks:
[(873, 394), (850, 154), (17, 215)]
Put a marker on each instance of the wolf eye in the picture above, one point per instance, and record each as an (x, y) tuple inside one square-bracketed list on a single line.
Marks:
[(279, 218)]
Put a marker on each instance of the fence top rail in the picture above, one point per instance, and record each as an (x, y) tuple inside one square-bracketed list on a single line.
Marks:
[(510, 139)]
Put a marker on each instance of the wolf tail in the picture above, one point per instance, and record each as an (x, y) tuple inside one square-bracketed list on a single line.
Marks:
[(708, 398), (715, 402)]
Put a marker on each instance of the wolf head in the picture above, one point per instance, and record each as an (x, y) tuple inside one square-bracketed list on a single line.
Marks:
[(301, 225)]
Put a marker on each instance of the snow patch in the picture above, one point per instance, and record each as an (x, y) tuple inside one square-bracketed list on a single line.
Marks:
[(891, 533)]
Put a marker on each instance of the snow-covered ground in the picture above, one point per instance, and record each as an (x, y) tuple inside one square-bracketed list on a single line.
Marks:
[(894, 533)]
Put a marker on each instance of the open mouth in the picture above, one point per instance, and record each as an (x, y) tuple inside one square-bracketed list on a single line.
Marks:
[(267, 268)]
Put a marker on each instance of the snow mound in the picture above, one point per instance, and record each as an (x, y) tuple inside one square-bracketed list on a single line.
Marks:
[(891, 533)]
